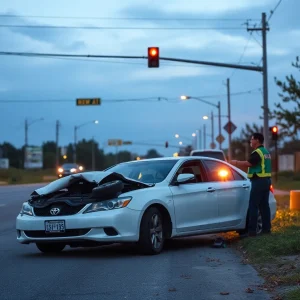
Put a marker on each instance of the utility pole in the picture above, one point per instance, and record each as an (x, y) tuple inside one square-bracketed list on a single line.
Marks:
[(204, 136), (26, 133), (212, 129), (219, 109), (199, 140), (56, 143), (26, 143), (93, 154), (75, 145), (229, 120), (264, 30)]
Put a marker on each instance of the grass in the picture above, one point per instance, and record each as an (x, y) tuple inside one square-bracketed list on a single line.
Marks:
[(287, 181), (19, 176), (292, 295), (277, 256)]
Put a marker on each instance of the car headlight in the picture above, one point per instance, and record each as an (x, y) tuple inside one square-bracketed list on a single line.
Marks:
[(60, 170), (26, 209), (108, 204)]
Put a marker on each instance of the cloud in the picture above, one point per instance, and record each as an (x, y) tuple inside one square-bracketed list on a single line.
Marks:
[(196, 7), (63, 39)]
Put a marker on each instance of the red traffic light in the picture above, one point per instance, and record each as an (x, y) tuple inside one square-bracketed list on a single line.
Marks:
[(274, 132), (153, 52), (153, 57)]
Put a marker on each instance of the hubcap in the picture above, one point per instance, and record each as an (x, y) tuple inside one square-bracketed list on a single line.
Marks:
[(156, 231)]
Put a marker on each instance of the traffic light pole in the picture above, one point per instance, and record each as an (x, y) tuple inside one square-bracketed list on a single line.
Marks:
[(276, 161)]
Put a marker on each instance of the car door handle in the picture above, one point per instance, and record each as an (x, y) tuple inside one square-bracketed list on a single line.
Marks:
[(210, 190), (245, 186)]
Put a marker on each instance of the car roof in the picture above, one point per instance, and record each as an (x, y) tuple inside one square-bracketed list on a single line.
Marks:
[(180, 158), (207, 150)]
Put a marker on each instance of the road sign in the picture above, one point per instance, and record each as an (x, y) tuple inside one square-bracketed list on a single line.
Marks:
[(230, 127), (212, 145), (127, 142), (115, 142), (88, 101), (220, 138)]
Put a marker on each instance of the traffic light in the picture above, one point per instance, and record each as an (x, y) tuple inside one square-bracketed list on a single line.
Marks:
[(153, 57), (274, 132), (167, 145)]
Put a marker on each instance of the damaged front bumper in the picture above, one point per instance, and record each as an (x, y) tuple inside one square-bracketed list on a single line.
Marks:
[(120, 225)]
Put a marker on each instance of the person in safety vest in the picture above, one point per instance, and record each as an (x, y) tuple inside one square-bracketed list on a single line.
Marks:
[(259, 172)]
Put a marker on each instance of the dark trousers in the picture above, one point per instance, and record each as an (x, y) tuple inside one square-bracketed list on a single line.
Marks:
[(259, 201)]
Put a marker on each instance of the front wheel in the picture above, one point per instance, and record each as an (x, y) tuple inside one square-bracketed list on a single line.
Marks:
[(50, 248), (152, 235)]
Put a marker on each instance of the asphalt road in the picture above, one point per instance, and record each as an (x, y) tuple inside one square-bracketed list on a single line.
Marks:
[(189, 268)]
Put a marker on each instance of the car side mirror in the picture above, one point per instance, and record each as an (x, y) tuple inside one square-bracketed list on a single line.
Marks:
[(182, 178)]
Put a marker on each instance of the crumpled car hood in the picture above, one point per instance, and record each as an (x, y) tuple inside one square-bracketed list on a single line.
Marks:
[(97, 177)]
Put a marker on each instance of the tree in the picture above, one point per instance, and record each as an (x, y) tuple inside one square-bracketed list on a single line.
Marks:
[(185, 151), (14, 155), (288, 119), (248, 131), (240, 149), (49, 150), (152, 153)]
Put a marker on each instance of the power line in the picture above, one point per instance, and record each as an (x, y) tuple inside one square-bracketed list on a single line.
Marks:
[(242, 55), (115, 28), (149, 99), (121, 18), (273, 11)]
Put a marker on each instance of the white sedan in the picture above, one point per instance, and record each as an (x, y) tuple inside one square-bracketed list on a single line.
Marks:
[(145, 201)]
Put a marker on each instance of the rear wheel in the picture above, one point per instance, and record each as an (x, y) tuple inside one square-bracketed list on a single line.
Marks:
[(152, 235), (50, 248), (258, 226)]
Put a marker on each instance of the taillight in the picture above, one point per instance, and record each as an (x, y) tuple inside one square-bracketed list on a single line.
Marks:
[(271, 189)]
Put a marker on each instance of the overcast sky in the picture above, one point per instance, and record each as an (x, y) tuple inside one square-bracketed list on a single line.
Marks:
[(207, 30)]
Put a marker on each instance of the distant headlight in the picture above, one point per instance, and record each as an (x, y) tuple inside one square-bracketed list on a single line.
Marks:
[(108, 204), (26, 209), (73, 170), (60, 170), (80, 168)]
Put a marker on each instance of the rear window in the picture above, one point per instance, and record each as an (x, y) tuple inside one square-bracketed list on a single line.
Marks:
[(212, 154)]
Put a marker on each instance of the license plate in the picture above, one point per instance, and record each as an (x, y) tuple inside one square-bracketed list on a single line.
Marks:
[(55, 226)]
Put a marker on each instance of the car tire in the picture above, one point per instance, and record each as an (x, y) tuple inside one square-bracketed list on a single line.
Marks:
[(152, 236), (50, 248), (107, 190), (258, 226)]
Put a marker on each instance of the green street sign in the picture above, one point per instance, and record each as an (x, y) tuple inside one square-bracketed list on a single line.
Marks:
[(88, 101)]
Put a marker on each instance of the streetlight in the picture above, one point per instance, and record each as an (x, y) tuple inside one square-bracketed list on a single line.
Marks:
[(27, 124), (218, 106), (76, 127), (189, 139)]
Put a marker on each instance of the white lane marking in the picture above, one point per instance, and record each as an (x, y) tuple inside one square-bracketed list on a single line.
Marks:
[(1, 205)]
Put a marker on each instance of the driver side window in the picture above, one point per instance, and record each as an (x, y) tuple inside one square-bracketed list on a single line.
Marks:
[(191, 167)]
